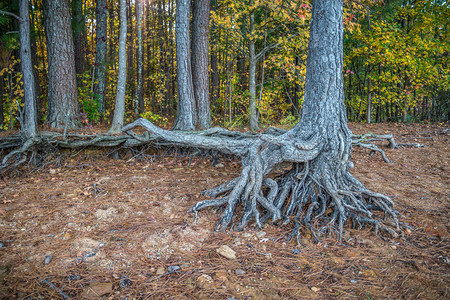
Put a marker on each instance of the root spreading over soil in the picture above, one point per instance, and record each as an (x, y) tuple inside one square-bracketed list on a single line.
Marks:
[(120, 226)]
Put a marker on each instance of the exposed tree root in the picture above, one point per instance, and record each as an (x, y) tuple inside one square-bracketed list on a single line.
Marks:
[(319, 204), (308, 193)]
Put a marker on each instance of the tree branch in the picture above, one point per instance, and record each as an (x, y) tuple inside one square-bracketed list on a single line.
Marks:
[(7, 13)]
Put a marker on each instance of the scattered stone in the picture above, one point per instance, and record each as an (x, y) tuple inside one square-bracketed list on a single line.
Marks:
[(152, 270), (48, 259), (97, 289), (172, 269), (260, 234), (239, 272), (219, 165), (160, 271), (106, 214), (226, 251), (315, 289), (52, 171), (204, 281), (408, 231), (124, 282), (247, 235), (354, 281)]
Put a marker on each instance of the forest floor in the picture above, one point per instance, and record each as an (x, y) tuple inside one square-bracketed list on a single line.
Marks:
[(93, 226)]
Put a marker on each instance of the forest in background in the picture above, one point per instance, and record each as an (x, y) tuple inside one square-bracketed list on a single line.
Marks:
[(396, 65)]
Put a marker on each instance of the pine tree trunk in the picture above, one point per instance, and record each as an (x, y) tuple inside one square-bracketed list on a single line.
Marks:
[(78, 27), (119, 110), (62, 85), (139, 96), (252, 77), (30, 122), (200, 61), (101, 48), (186, 115)]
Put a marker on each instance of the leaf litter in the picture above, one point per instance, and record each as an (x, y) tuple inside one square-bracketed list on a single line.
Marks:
[(121, 228)]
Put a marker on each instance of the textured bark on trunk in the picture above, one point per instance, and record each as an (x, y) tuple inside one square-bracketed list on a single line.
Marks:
[(315, 191), (30, 122), (62, 85), (186, 116), (139, 96), (101, 48), (130, 55), (112, 39), (78, 27), (252, 77), (214, 93), (119, 109), (200, 61)]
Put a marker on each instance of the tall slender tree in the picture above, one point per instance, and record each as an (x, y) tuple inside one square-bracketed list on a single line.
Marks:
[(253, 111), (139, 95), (101, 47), (186, 116), (30, 121), (200, 61), (119, 110), (79, 36), (62, 85)]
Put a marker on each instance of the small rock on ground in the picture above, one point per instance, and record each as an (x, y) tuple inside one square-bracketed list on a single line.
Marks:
[(160, 271), (226, 251), (239, 272), (96, 289)]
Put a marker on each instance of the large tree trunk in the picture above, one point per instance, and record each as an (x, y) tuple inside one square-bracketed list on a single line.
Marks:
[(119, 110), (316, 191), (186, 115), (200, 50), (30, 122), (100, 53), (62, 85)]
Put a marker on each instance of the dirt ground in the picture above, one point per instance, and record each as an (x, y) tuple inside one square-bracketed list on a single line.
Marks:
[(92, 227)]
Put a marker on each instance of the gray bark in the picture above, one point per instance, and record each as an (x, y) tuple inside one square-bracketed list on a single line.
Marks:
[(62, 85), (252, 77), (119, 110), (100, 53), (200, 62), (186, 115), (30, 122), (139, 96)]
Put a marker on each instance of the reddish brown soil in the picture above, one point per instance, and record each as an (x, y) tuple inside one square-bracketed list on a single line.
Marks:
[(104, 220)]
